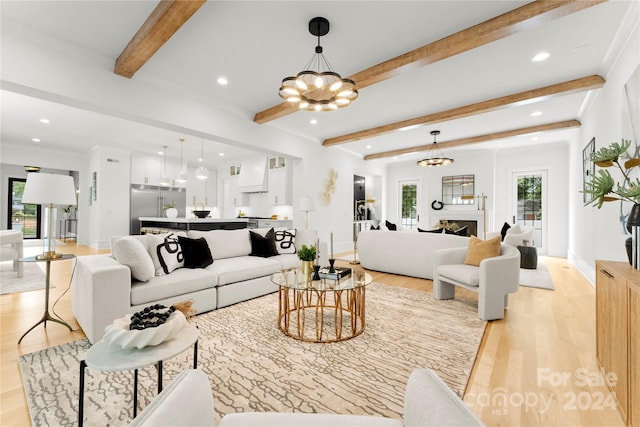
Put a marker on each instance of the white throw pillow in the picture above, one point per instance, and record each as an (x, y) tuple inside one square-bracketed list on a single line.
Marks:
[(515, 229), (131, 252), (165, 252), (286, 241)]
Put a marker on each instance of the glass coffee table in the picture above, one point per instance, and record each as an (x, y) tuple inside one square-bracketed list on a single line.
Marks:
[(322, 311)]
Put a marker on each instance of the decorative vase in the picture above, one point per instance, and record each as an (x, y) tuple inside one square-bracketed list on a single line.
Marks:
[(307, 271), (633, 226), (171, 213)]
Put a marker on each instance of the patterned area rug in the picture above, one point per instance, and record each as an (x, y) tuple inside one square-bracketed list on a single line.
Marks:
[(253, 366), (32, 278)]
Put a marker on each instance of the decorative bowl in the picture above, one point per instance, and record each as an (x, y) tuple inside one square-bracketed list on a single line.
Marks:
[(201, 214), (118, 332)]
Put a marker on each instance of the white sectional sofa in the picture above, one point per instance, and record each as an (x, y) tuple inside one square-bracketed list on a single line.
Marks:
[(103, 288), (409, 253)]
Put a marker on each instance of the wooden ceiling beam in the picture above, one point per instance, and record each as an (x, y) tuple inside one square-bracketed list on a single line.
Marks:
[(522, 98), (520, 19), (162, 23), (568, 124)]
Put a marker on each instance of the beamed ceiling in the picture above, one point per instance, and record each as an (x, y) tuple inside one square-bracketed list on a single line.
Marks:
[(461, 67)]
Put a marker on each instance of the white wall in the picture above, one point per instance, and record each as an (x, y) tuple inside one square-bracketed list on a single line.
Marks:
[(596, 233), (475, 162)]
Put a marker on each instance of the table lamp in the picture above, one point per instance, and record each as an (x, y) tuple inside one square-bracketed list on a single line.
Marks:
[(306, 206), (49, 190)]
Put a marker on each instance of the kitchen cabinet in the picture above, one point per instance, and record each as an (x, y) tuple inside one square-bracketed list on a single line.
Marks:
[(275, 223), (280, 177), (617, 337), (202, 191), (238, 198), (148, 170)]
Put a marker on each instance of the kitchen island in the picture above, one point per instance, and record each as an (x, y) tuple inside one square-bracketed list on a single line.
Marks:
[(153, 225)]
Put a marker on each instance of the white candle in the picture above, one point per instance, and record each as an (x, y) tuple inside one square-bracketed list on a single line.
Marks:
[(332, 245)]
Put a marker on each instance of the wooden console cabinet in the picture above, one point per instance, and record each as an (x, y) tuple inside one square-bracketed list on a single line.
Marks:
[(618, 334)]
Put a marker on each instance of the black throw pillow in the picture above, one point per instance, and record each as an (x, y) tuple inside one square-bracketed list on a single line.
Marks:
[(390, 226), (437, 230), (196, 252), (504, 230), (264, 247), (373, 227)]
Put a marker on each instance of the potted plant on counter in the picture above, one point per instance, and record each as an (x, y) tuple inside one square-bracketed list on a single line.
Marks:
[(170, 209)]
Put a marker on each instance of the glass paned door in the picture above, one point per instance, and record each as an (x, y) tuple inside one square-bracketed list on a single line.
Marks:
[(22, 217), (408, 208), (530, 204)]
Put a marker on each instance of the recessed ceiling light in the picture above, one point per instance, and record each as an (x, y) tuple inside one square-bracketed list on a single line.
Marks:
[(540, 57), (45, 121), (313, 121), (535, 138), (222, 81), (161, 152), (368, 146), (536, 113), (221, 154), (35, 139)]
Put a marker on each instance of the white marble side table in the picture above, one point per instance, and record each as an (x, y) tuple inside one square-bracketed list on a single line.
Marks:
[(104, 357)]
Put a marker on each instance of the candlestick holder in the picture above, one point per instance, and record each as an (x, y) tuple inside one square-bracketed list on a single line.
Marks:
[(331, 268), (316, 269)]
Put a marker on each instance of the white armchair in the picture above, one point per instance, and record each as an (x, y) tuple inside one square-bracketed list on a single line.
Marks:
[(188, 401), (493, 280), (11, 249)]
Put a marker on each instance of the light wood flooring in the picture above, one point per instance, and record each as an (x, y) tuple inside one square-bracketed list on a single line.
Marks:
[(536, 367)]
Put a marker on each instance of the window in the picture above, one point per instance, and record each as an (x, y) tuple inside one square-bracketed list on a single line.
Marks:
[(22, 217), (408, 208)]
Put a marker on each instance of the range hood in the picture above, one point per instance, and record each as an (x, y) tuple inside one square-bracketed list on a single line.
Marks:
[(253, 176)]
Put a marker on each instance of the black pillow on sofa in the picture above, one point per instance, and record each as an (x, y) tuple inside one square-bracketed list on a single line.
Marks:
[(263, 246), (390, 226), (504, 230), (437, 230), (373, 227), (196, 252)]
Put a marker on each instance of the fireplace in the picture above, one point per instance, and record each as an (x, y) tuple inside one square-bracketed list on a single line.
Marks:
[(454, 224)]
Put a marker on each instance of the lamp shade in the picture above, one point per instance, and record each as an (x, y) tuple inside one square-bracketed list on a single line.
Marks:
[(47, 188), (307, 204)]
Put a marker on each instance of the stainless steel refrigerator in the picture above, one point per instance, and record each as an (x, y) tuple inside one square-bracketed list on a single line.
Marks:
[(148, 200)]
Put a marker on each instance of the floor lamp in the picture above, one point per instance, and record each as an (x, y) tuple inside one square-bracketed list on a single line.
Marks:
[(307, 205), (482, 197), (49, 190)]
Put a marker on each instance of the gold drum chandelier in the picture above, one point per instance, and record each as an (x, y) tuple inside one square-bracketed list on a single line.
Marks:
[(318, 87), (437, 156)]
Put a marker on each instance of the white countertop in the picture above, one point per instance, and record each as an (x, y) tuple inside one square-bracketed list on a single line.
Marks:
[(190, 220)]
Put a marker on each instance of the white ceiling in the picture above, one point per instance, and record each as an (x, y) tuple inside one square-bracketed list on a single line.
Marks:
[(254, 44)]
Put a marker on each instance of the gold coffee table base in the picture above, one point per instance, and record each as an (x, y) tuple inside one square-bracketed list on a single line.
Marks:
[(321, 315)]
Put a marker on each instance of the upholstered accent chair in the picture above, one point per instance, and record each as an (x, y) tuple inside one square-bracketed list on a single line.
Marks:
[(493, 280), (11, 248)]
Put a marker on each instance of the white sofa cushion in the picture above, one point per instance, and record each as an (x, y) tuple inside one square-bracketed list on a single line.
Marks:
[(179, 282), (462, 273), (225, 243), (288, 419), (238, 269), (131, 252)]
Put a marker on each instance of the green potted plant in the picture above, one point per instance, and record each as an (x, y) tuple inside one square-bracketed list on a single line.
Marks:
[(604, 188), (307, 255), (68, 211), (170, 209)]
